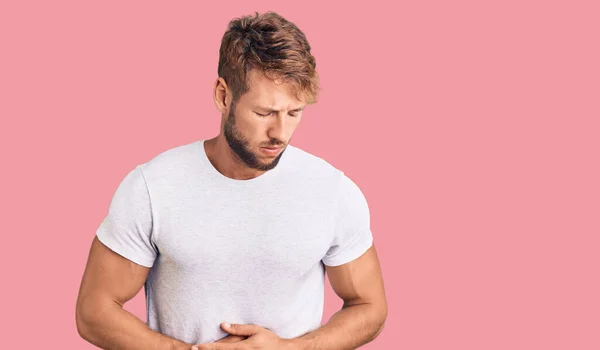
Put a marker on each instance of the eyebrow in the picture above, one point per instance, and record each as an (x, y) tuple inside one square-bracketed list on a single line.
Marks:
[(276, 110)]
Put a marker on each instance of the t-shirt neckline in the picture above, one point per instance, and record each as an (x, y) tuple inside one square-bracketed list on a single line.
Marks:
[(249, 182)]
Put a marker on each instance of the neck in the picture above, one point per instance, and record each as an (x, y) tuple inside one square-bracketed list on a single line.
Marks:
[(226, 161)]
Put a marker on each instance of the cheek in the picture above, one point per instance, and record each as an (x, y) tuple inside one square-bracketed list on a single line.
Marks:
[(245, 123), (253, 129)]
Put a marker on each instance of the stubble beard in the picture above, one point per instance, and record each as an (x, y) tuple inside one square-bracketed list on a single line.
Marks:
[(241, 147)]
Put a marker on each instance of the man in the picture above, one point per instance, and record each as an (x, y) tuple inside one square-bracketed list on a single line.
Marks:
[(239, 229)]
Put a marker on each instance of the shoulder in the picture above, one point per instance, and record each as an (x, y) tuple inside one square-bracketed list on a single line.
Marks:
[(312, 166), (319, 169), (302, 159), (176, 160)]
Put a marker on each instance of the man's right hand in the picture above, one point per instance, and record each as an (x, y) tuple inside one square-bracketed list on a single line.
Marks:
[(231, 339)]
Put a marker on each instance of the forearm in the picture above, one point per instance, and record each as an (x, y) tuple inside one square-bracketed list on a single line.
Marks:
[(349, 328), (112, 327)]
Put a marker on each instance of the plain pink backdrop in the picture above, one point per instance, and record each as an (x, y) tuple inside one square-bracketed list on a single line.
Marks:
[(472, 127)]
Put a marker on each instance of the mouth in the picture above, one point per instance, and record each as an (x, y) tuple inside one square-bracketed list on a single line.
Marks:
[(271, 151)]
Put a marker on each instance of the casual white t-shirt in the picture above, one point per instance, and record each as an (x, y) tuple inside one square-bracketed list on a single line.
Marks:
[(238, 251)]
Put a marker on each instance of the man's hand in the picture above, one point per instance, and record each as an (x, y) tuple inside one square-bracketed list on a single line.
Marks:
[(258, 338), (231, 339)]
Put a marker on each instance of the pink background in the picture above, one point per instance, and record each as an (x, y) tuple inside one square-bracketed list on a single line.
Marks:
[(471, 127)]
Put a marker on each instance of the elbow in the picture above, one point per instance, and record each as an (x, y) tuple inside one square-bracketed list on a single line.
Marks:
[(381, 317), (82, 321), (379, 329)]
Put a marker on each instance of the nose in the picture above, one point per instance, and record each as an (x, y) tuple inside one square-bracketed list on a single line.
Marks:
[(277, 129)]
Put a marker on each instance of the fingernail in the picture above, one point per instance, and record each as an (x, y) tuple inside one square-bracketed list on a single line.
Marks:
[(226, 325), (194, 348)]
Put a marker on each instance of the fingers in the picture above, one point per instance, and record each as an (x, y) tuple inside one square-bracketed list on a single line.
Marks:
[(215, 346), (238, 333), (247, 330), (231, 339)]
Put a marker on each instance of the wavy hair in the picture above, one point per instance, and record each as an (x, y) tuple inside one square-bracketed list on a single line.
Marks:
[(275, 47)]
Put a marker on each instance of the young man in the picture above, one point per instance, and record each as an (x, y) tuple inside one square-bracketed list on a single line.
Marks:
[(239, 229)]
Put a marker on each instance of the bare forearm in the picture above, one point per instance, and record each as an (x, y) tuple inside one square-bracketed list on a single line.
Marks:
[(111, 327), (349, 328)]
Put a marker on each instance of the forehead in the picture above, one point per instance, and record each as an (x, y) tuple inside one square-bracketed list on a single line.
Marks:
[(276, 94)]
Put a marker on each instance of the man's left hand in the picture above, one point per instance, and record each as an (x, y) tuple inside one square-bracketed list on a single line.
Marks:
[(259, 338)]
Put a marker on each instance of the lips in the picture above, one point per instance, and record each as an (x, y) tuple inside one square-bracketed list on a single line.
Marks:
[(271, 151)]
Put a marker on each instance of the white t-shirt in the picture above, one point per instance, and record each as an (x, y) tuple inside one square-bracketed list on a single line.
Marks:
[(237, 251)]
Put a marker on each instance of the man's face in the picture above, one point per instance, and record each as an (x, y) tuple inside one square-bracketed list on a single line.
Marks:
[(261, 123)]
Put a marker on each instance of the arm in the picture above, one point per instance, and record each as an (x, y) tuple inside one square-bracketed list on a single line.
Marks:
[(109, 281), (359, 284)]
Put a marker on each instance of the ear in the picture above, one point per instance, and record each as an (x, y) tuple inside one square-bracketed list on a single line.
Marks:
[(222, 96)]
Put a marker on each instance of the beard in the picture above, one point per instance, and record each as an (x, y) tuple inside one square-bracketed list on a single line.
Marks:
[(241, 146)]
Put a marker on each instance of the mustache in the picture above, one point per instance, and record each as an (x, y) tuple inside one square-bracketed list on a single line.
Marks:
[(275, 143)]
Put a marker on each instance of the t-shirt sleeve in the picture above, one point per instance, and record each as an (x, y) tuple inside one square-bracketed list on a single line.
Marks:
[(352, 232), (127, 228)]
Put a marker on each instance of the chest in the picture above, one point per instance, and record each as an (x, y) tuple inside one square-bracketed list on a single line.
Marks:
[(276, 234)]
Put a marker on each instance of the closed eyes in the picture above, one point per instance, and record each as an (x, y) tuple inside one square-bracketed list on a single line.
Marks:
[(268, 114)]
